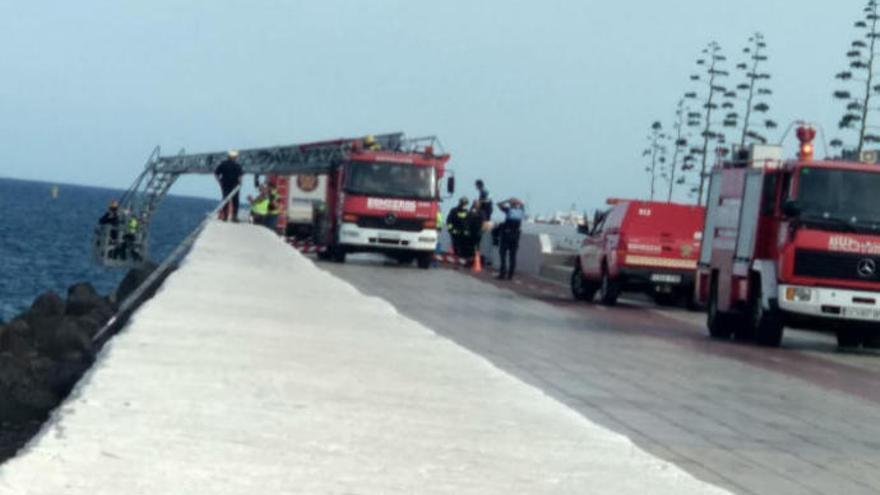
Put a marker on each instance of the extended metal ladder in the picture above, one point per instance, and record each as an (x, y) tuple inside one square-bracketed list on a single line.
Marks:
[(126, 243)]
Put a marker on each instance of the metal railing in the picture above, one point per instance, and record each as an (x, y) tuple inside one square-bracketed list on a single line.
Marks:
[(126, 305)]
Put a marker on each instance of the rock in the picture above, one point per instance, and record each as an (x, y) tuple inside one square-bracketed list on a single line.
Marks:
[(67, 372), (21, 397), (17, 339), (133, 279), (70, 340), (48, 304), (82, 299), (42, 329)]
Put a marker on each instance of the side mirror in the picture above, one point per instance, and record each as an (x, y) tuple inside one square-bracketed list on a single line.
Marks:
[(583, 229), (450, 185), (791, 208)]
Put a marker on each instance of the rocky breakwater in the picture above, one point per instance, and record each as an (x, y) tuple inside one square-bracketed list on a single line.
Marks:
[(45, 350)]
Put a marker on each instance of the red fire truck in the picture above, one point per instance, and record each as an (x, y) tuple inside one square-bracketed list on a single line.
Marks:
[(791, 243), (382, 200), (647, 246)]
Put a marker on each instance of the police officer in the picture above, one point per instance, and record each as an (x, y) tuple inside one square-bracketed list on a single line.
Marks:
[(508, 233), (458, 226)]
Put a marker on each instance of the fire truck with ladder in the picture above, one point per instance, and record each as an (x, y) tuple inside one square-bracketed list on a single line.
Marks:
[(791, 243), (370, 199), (385, 198)]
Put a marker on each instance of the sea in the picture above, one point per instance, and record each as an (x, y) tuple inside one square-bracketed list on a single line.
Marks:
[(45, 241)]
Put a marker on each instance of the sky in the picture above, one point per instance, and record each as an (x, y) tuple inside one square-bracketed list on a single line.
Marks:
[(549, 100)]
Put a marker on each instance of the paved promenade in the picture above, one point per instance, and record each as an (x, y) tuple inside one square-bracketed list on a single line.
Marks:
[(254, 372), (802, 419)]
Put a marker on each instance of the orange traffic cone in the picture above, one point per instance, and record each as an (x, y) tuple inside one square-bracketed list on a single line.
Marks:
[(477, 267)]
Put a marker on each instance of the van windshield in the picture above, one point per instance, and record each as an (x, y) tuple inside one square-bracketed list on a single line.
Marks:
[(399, 180)]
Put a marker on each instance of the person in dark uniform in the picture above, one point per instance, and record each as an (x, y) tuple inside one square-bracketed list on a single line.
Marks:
[(475, 227), (508, 233), (485, 201), (109, 221), (458, 227), (228, 175)]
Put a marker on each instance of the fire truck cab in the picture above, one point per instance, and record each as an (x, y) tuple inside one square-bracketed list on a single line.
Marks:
[(371, 200), (791, 242)]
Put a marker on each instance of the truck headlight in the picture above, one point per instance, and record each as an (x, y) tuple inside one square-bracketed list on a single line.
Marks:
[(798, 294)]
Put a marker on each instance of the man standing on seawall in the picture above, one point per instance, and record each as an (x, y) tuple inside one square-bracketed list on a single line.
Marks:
[(228, 175), (509, 232)]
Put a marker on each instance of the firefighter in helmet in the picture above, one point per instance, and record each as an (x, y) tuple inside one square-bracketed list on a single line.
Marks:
[(371, 144), (459, 228)]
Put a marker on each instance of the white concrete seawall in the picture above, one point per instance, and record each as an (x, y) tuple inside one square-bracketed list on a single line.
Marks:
[(254, 372)]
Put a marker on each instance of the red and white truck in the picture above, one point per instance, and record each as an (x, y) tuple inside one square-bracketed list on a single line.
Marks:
[(647, 246), (792, 242), (370, 200)]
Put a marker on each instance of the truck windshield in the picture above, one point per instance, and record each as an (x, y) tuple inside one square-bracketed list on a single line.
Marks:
[(400, 180), (843, 196)]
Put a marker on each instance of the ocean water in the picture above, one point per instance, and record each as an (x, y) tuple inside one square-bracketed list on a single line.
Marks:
[(45, 243)]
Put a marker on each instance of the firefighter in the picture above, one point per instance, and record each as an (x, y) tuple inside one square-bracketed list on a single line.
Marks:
[(259, 206), (109, 223), (129, 239), (228, 175), (508, 234), (457, 225), (370, 143), (274, 208), (485, 202), (475, 226)]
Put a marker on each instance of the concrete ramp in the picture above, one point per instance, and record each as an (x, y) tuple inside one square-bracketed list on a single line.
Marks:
[(254, 372)]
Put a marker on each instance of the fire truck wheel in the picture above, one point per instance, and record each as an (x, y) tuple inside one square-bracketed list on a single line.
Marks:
[(425, 260), (849, 337), (405, 259), (581, 289), (338, 254), (721, 325), (609, 289), (766, 324)]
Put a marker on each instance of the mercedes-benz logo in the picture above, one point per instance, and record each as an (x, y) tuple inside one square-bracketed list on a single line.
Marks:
[(390, 219), (866, 268)]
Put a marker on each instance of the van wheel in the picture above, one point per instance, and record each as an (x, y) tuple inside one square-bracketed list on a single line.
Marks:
[(849, 337), (664, 298), (609, 289), (581, 288), (424, 260), (766, 324), (721, 325)]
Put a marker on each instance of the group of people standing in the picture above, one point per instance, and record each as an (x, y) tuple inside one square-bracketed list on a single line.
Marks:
[(468, 221), (264, 208)]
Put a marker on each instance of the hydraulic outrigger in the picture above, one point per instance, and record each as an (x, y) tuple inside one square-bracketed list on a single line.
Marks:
[(160, 172)]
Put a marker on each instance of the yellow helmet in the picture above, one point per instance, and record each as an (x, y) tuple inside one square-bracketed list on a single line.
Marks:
[(369, 140)]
